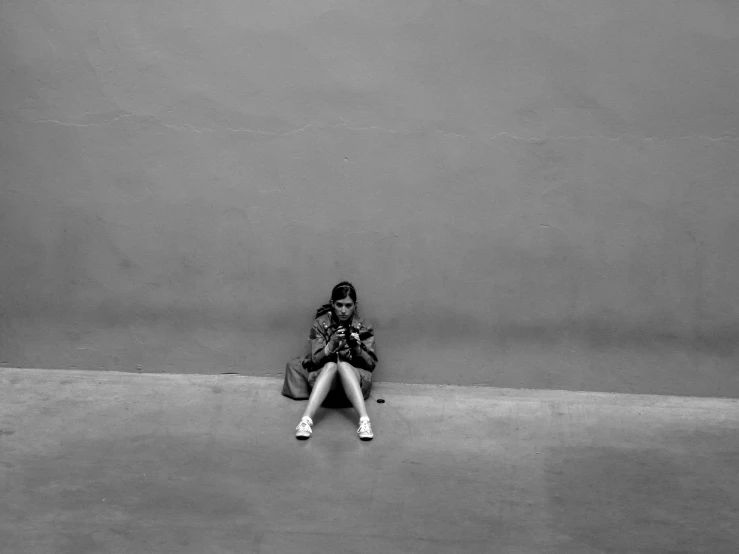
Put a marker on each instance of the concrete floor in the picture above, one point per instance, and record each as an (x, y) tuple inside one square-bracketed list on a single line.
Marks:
[(117, 462)]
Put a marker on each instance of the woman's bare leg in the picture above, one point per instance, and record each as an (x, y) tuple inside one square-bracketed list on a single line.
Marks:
[(351, 388), (320, 389)]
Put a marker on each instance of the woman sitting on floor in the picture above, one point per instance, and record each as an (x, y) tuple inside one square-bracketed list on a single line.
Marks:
[(342, 354)]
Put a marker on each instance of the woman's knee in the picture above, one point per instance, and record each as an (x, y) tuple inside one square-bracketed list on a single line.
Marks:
[(346, 370), (329, 367), (327, 372)]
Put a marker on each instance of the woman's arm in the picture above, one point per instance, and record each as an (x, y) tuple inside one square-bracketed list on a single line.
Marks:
[(363, 355), (318, 342)]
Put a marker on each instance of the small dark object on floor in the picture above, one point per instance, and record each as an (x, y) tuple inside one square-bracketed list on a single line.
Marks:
[(380, 400)]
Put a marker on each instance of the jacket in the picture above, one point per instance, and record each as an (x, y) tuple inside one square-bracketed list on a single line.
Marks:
[(326, 325)]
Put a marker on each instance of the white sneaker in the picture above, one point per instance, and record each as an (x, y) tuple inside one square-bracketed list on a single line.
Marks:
[(365, 430), (303, 429)]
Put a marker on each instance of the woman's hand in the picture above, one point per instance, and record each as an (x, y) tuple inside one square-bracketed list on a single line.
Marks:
[(336, 342), (353, 341)]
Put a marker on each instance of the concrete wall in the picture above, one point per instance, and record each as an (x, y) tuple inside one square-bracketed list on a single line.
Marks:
[(526, 193)]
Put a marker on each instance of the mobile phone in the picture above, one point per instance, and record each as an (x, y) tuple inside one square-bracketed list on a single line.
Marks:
[(349, 338)]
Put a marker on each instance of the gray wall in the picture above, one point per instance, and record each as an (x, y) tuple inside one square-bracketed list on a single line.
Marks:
[(526, 193)]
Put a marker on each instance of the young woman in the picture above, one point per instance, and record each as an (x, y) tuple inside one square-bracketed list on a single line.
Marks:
[(341, 356)]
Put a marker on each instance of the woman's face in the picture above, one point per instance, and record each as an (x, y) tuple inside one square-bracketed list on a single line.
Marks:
[(344, 309)]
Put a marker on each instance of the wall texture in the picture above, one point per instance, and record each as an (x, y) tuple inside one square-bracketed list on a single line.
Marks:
[(526, 193)]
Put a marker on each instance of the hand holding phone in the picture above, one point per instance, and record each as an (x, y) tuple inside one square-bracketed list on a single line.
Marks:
[(352, 338), (337, 340)]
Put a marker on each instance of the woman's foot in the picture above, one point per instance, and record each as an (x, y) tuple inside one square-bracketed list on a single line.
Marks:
[(303, 429), (365, 429)]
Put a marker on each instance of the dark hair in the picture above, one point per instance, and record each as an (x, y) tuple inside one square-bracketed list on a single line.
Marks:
[(339, 292), (342, 290)]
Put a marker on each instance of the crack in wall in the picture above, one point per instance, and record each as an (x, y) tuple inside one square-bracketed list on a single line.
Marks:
[(358, 129)]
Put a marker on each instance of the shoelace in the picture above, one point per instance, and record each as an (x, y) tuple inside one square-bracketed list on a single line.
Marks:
[(364, 427), (303, 426)]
